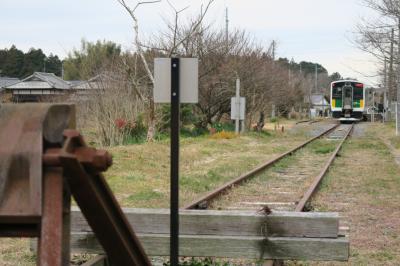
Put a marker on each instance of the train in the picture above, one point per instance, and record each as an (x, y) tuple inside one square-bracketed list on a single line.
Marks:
[(348, 100)]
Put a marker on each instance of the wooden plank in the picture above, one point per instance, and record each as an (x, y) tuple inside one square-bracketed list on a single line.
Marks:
[(227, 223), (287, 248)]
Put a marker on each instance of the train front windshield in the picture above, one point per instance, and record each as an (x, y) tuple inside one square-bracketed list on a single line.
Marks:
[(338, 91)]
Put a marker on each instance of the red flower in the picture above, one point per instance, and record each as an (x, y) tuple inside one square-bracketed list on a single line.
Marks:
[(120, 123)]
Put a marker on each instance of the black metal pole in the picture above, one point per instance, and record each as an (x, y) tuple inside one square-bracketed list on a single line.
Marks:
[(175, 121)]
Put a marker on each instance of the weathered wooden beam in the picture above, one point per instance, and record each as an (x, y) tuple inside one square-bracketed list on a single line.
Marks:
[(287, 248), (227, 223)]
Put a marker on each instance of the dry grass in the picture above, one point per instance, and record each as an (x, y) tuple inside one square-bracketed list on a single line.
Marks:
[(364, 187), (140, 175), (224, 135), (15, 251)]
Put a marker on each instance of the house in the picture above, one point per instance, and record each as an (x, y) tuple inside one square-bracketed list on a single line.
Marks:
[(42, 86), (4, 82), (319, 105), (37, 87)]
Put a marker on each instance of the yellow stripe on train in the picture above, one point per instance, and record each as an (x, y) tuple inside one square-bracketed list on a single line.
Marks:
[(361, 103), (333, 103)]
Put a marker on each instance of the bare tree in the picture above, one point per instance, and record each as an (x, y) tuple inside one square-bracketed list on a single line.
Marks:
[(379, 36), (111, 106), (177, 42), (139, 50)]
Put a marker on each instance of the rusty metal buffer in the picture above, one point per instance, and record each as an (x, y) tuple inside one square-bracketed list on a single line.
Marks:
[(43, 161)]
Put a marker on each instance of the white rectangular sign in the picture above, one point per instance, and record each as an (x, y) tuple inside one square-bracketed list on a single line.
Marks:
[(188, 80), (235, 112)]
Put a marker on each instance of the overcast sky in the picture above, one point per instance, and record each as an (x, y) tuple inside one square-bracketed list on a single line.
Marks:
[(306, 30)]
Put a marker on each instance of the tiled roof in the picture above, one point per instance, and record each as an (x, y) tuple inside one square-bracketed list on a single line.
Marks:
[(41, 80), (6, 81)]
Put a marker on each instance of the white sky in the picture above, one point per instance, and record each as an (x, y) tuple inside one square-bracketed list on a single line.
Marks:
[(307, 30)]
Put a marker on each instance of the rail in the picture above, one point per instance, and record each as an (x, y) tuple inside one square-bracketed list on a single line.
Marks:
[(202, 201)]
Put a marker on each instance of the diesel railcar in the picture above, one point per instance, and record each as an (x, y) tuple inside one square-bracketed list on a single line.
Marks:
[(347, 100)]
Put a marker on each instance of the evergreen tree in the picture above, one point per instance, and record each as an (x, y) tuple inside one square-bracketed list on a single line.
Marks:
[(16, 63), (12, 62), (34, 61), (53, 65)]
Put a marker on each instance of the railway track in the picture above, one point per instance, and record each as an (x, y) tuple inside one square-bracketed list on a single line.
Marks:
[(289, 200), (343, 132)]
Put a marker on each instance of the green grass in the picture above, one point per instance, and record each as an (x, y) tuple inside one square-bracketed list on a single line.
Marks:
[(322, 146), (283, 164)]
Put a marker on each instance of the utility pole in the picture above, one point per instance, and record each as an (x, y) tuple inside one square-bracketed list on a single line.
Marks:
[(390, 81), (273, 50), (316, 78), (398, 82), (373, 107), (291, 63), (385, 91), (62, 69), (226, 30)]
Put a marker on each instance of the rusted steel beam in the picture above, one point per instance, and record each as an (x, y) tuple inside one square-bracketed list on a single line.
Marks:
[(218, 191), (100, 208), (310, 192), (37, 176), (100, 160), (53, 244), (25, 130)]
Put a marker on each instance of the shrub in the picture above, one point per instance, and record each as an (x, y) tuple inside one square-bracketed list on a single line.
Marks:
[(219, 127), (186, 115)]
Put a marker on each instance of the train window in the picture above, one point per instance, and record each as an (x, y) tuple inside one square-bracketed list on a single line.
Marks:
[(337, 92), (347, 91), (358, 93)]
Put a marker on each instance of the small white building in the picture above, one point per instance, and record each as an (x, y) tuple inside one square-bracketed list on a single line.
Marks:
[(319, 105)]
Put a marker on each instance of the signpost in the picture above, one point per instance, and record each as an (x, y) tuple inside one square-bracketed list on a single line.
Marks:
[(238, 108), (170, 75)]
